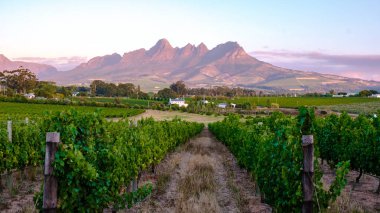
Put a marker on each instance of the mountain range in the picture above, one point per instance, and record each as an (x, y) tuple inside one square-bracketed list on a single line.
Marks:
[(39, 69), (225, 65)]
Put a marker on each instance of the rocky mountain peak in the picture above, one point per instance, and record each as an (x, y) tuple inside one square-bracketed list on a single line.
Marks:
[(162, 44), (227, 51), (201, 49), (187, 50), (162, 50)]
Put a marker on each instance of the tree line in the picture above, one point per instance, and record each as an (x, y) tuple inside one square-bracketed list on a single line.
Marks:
[(22, 80)]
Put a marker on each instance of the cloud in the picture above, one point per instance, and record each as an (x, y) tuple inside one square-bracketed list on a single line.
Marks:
[(61, 63), (355, 66)]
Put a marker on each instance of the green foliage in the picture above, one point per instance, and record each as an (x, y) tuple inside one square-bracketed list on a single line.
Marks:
[(25, 148), (20, 80), (127, 200), (341, 138), (97, 159), (45, 89), (270, 148), (26, 109), (306, 119), (178, 87), (296, 102), (166, 93), (101, 88)]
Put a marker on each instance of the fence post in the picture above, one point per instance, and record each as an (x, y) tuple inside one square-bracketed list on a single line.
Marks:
[(50, 182), (9, 130), (308, 173)]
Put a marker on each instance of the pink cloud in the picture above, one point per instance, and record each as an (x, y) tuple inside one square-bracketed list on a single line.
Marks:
[(355, 66)]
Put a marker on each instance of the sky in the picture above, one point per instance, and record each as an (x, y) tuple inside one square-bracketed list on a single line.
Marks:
[(70, 31)]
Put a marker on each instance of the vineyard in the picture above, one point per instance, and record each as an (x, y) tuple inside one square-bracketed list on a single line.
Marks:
[(270, 147), (99, 164), (341, 138), (18, 110), (295, 102), (96, 159)]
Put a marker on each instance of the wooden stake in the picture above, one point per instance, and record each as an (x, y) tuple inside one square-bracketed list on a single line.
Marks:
[(308, 173), (9, 130), (50, 182)]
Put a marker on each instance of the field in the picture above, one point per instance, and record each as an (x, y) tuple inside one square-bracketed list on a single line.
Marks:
[(128, 101), (358, 108), (295, 102), (23, 109)]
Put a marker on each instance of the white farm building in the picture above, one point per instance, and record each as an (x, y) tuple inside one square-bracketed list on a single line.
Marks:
[(29, 95), (179, 101)]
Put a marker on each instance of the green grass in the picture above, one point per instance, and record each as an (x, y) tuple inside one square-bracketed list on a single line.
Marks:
[(295, 102), (128, 101), (24, 109)]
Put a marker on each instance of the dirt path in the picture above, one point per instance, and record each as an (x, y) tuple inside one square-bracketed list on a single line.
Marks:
[(169, 115), (202, 176)]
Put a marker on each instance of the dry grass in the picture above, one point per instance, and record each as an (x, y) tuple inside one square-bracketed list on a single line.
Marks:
[(197, 186), (202, 176), (356, 197), (197, 148), (28, 208), (344, 204), (165, 172), (241, 201), (207, 202), (162, 182), (198, 181)]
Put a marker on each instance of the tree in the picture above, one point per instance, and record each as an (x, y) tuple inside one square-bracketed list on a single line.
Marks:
[(98, 87), (65, 91), (126, 89), (365, 93), (21, 80), (179, 87), (166, 93), (45, 89)]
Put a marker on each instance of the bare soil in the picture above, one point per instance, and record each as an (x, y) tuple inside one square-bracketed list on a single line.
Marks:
[(18, 188), (356, 197), (202, 176)]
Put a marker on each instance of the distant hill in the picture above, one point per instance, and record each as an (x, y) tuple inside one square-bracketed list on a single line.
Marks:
[(225, 65), (39, 69)]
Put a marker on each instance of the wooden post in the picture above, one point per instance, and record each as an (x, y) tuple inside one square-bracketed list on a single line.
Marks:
[(50, 182), (9, 130), (308, 173)]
